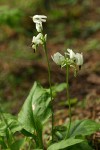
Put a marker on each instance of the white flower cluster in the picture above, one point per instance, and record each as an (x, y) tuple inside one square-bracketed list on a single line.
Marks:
[(72, 59), (40, 38)]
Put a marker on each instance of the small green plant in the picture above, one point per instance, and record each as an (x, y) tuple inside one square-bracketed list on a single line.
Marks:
[(37, 109)]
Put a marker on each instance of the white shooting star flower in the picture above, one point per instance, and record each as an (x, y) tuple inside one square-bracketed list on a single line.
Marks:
[(58, 58), (38, 19), (37, 39), (71, 54), (79, 59)]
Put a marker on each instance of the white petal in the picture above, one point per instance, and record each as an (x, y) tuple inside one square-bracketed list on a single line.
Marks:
[(43, 20), (36, 21), (71, 53), (39, 36), (79, 59), (33, 39), (39, 27), (58, 58), (45, 37), (34, 46), (37, 39), (39, 18)]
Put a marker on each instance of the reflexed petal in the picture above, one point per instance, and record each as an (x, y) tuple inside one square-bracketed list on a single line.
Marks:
[(36, 21), (79, 59), (33, 39), (37, 39), (71, 53), (39, 27), (34, 47), (39, 18), (45, 37), (58, 58)]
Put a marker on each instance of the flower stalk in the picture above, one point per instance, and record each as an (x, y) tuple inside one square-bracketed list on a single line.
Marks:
[(49, 77), (68, 98), (69, 59), (40, 39)]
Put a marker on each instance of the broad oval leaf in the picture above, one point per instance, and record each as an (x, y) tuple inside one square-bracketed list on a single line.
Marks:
[(83, 127), (64, 144), (36, 108)]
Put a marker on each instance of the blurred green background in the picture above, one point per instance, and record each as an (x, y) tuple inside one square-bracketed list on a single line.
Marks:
[(70, 24)]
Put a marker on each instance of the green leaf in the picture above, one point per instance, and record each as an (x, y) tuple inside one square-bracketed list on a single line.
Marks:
[(2, 129), (10, 122), (64, 144), (80, 146), (3, 143), (28, 134), (17, 145), (83, 127), (73, 101), (36, 109), (59, 87), (60, 128), (9, 137), (60, 132)]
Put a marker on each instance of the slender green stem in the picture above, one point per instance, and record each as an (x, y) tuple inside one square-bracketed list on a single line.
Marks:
[(68, 97), (49, 76)]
